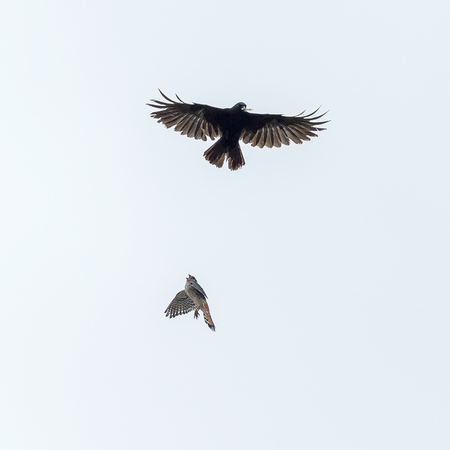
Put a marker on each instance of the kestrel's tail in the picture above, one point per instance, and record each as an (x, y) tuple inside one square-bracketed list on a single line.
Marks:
[(208, 318)]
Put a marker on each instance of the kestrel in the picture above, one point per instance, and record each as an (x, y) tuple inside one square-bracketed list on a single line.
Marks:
[(234, 124), (193, 298)]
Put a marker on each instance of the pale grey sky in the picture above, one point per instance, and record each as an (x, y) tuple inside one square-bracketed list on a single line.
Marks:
[(326, 264)]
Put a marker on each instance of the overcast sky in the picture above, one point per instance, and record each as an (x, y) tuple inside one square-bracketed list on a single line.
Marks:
[(326, 264)]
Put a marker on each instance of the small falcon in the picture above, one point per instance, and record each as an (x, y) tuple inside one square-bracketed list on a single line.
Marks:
[(232, 125), (193, 298)]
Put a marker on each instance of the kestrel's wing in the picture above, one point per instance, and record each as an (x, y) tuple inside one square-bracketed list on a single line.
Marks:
[(181, 304), (272, 130), (194, 120), (199, 289)]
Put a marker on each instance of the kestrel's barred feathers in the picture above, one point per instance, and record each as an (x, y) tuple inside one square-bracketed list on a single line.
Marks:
[(208, 319), (181, 304)]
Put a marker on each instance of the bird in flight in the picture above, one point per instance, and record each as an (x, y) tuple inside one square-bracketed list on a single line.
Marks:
[(192, 298), (232, 125)]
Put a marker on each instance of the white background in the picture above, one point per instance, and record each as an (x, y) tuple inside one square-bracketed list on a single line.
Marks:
[(326, 264)]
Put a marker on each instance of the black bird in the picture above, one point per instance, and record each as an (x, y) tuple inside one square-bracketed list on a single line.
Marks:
[(234, 124)]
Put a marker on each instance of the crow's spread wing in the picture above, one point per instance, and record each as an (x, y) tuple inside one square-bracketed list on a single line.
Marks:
[(272, 130), (194, 120)]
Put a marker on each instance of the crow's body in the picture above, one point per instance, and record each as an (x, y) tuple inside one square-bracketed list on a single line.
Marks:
[(234, 124)]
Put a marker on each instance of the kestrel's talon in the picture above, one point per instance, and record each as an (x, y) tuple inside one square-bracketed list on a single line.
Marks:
[(196, 314)]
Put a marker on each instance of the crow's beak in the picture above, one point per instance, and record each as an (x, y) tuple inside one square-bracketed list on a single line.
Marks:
[(248, 109)]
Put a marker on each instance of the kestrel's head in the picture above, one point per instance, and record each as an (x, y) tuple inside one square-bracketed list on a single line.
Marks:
[(190, 277)]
